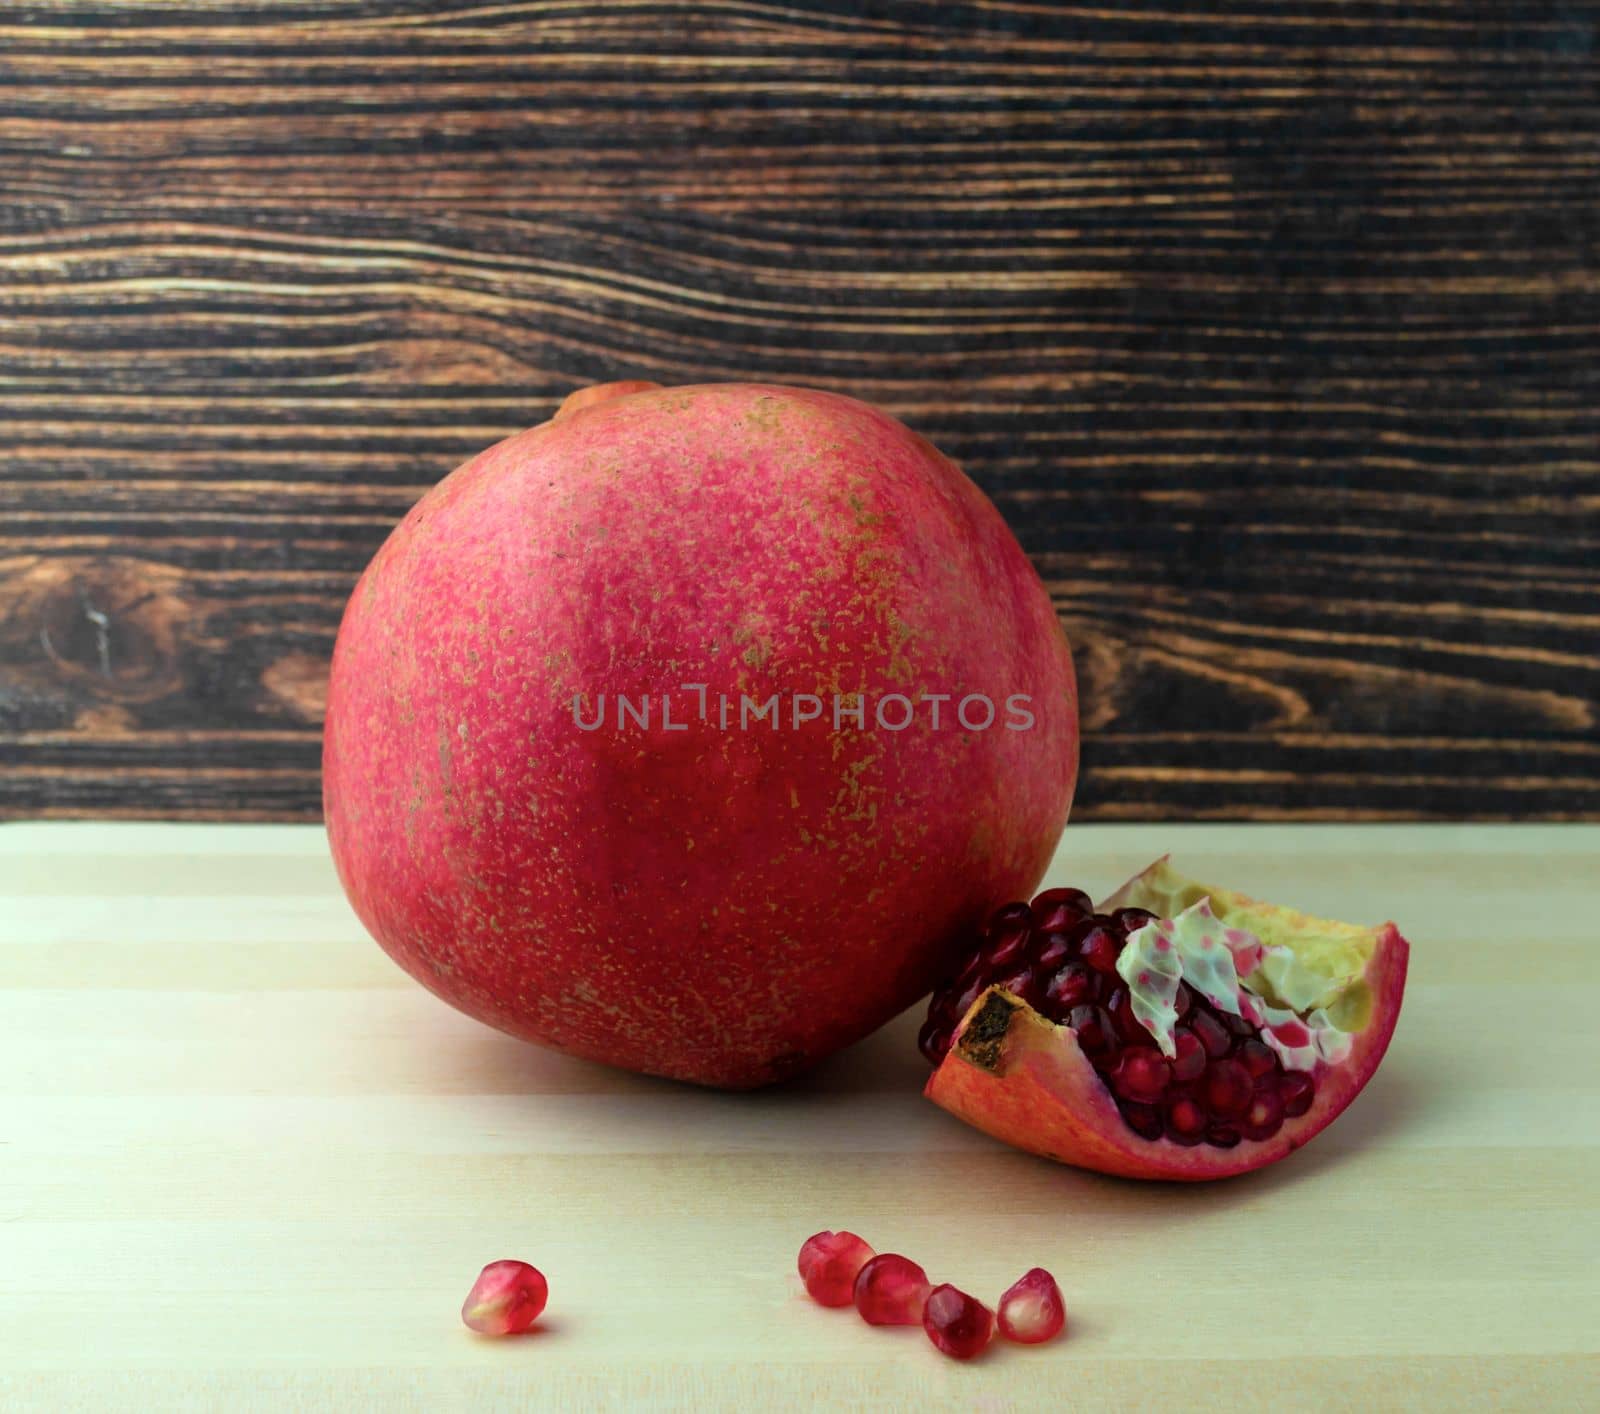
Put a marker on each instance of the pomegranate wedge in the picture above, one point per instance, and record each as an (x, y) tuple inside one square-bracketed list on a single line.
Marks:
[(1180, 1031)]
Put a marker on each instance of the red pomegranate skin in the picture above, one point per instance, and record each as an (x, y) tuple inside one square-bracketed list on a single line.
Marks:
[(724, 907)]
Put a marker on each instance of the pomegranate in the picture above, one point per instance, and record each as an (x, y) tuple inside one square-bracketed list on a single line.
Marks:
[(891, 1290), (829, 1265), (1031, 1311), (506, 1299), (694, 729), (1180, 1032), (959, 1325)]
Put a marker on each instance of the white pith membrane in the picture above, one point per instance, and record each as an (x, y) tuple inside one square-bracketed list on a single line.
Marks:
[(1236, 972)]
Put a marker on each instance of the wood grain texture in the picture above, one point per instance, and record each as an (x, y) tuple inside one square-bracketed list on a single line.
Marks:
[(1274, 332), (230, 1121)]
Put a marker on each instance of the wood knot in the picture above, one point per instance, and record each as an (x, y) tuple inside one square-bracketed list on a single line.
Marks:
[(103, 629)]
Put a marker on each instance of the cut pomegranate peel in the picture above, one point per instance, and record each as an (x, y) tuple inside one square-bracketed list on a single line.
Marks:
[(1179, 1032)]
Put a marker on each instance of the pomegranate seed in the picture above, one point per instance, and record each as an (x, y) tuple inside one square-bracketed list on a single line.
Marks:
[(1213, 1034), (829, 1265), (1130, 920), (891, 1290), (1236, 1024), (1186, 1121), (1129, 1027), (1143, 1120), (1008, 919), (1184, 1000), (1060, 909), (1072, 898), (1264, 1117), (1191, 1057), (1054, 950), (1296, 1090), (506, 1299), (1032, 1312), (967, 995), (934, 1040), (1226, 1088), (1093, 1027), (1257, 1058), (1057, 919), (1142, 1075), (1224, 1136), (1007, 948), (1069, 987), (969, 974), (1100, 950), (960, 1325), (1024, 984)]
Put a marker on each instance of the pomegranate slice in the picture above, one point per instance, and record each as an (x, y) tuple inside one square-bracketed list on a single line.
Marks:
[(1217, 1034)]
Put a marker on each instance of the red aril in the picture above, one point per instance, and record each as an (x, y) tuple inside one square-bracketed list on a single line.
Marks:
[(1186, 1121), (1226, 1089), (829, 1264), (1264, 1116), (891, 1290), (1190, 1060), (1070, 987), (506, 1298), (1140, 1074), (1057, 909), (1210, 1032), (959, 1325), (1296, 1091), (1256, 1058), (1100, 948), (1031, 1311)]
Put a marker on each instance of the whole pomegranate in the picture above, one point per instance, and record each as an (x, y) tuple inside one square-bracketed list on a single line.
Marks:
[(693, 730)]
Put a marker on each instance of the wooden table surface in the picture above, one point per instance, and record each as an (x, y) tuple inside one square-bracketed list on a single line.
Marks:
[(1273, 330), (245, 1162)]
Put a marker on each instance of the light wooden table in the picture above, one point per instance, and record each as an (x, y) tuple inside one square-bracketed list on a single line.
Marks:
[(245, 1162)]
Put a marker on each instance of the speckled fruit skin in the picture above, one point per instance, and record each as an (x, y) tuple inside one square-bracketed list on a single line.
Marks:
[(720, 907), (1016, 1075)]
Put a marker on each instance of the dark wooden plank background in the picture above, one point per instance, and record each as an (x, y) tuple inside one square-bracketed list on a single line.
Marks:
[(1274, 330)]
